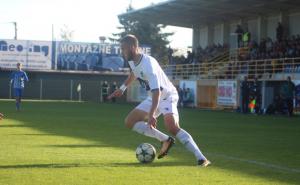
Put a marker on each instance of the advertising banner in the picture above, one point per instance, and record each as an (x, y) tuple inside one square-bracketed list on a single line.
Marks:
[(90, 56), (188, 93), (35, 55), (227, 93)]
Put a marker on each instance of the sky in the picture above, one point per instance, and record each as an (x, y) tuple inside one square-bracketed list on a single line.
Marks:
[(89, 19)]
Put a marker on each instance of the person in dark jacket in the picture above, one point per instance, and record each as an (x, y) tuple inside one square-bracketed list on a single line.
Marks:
[(245, 94)]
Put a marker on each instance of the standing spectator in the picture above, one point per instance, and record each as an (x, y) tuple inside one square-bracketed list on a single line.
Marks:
[(113, 88), (246, 37), (239, 31), (17, 79), (188, 99), (245, 95), (1, 116), (279, 32), (170, 55), (297, 95), (104, 90), (256, 94), (180, 94), (287, 92), (190, 57)]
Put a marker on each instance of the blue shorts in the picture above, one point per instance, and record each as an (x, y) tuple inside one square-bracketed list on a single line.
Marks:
[(18, 92)]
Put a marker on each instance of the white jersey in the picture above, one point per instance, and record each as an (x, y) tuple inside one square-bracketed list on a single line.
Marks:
[(151, 76)]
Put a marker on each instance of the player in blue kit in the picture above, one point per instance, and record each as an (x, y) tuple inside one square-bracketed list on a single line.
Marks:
[(17, 79)]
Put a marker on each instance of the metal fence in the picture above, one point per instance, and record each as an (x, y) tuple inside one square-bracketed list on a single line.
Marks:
[(61, 87), (233, 69)]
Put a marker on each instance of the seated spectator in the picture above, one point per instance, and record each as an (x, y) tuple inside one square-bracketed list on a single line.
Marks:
[(267, 49)]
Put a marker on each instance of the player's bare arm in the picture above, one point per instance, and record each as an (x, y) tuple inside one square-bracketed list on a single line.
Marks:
[(119, 92), (155, 99)]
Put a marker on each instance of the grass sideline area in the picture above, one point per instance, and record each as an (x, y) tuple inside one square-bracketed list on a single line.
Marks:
[(70, 143)]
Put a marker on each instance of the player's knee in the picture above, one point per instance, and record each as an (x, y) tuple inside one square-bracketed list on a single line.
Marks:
[(173, 130), (128, 122), (171, 123)]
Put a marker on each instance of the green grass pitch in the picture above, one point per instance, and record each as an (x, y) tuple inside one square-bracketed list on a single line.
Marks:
[(69, 143)]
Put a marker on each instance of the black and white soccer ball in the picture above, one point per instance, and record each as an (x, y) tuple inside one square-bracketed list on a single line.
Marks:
[(145, 153)]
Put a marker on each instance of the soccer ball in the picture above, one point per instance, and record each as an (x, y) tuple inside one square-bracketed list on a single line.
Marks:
[(145, 153)]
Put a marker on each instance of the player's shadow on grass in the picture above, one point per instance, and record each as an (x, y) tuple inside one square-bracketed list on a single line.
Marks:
[(91, 165), (153, 164), (79, 146), (11, 126), (34, 134), (22, 166)]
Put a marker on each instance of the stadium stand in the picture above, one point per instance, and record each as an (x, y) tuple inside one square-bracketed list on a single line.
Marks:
[(271, 31), (232, 39)]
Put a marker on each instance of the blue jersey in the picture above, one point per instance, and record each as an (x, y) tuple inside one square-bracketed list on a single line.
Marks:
[(18, 78)]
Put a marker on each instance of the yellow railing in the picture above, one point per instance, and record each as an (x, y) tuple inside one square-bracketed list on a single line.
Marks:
[(234, 69)]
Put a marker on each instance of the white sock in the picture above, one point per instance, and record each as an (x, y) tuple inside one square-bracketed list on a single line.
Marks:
[(143, 128), (187, 140)]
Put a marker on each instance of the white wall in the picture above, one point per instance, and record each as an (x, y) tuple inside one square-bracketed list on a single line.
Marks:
[(232, 27), (203, 37), (218, 34), (294, 24), (253, 29), (272, 23)]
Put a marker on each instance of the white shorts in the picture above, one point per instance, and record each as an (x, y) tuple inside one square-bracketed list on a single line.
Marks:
[(165, 106)]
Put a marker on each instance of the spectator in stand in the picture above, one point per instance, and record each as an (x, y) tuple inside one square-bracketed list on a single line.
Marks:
[(170, 55), (279, 31), (246, 37), (269, 44), (190, 57), (245, 95), (263, 46), (239, 31), (267, 49)]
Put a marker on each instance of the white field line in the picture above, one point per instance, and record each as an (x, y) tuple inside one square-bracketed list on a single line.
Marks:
[(262, 164)]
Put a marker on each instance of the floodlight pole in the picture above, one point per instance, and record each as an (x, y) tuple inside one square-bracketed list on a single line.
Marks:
[(16, 30)]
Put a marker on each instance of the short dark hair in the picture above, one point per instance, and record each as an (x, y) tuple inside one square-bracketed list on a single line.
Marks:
[(130, 40)]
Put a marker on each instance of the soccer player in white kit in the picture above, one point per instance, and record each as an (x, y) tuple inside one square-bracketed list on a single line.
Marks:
[(164, 99)]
